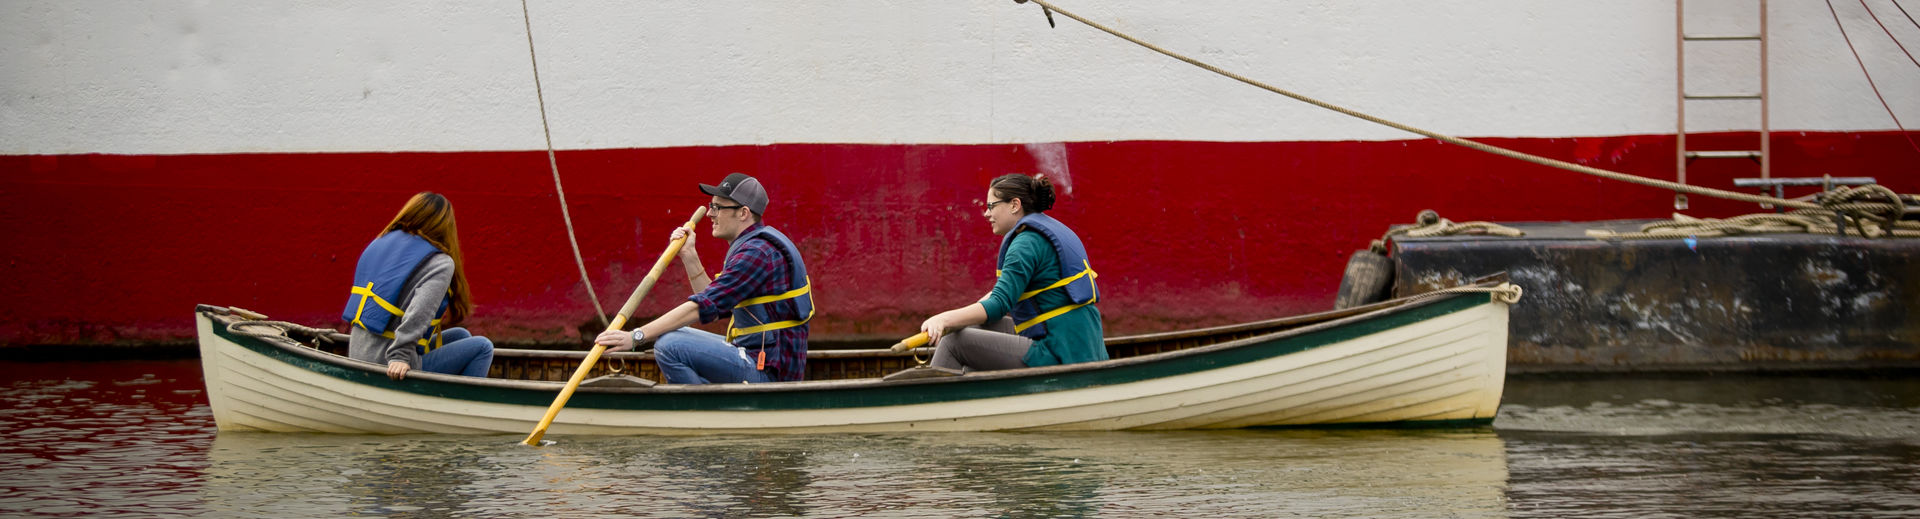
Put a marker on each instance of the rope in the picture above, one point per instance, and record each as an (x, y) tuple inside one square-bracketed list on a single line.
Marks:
[(1861, 209), (1883, 28), (279, 330), (554, 163), (251, 319), (1508, 293), (1496, 150), (1429, 223), (1449, 228), (1869, 75)]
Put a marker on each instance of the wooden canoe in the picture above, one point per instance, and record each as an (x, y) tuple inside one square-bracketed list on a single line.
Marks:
[(1436, 360)]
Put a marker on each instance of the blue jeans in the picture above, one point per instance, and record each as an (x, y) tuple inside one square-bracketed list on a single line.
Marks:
[(695, 356), (461, 353)]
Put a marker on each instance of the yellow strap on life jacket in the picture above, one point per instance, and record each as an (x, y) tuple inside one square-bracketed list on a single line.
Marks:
[(367, 292), (438, 340), (1017, 328), (423, 340), (790, 294), (1087, 272)]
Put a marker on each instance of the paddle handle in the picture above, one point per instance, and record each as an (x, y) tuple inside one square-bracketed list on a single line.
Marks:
[(909, 343), (659, 267), (619, 321)]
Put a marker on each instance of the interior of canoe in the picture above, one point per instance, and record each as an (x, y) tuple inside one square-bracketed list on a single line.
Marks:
[(559, 365)]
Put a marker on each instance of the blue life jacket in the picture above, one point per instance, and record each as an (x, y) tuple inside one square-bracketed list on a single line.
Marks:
[(382, 278), (1076, 275), (755, 313)]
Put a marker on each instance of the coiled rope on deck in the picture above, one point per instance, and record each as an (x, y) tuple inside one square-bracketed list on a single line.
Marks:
[(276, 330), (1488, 148), (1429, 224), (1845, 212), (279, 329), (554, 164)]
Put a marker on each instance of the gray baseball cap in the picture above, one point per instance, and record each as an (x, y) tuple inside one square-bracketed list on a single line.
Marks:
[(743, 189)]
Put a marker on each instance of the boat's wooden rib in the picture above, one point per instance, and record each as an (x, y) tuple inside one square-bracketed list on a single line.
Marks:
[(1437, 360)]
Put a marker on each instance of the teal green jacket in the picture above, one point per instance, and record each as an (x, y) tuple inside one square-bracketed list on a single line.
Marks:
[(1072, 337)]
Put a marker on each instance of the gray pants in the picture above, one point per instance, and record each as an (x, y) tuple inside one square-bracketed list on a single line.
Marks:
[(982, 348)]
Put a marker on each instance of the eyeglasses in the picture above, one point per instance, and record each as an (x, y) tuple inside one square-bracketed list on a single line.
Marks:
[(996, 202), (717, 207)]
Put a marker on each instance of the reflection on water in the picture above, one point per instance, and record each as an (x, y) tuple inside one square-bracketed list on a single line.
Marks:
[(1717, 475), (93, 438), (1216, 474), (1728, 446), (136, 439), (1869, 407)]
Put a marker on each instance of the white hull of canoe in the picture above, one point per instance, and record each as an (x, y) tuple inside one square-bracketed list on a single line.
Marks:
[(1451, 367)]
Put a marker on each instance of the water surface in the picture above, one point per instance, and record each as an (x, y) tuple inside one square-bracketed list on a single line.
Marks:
[(137, 439)]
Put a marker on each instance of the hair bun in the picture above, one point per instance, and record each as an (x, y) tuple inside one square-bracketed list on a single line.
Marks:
[(1042, 193)]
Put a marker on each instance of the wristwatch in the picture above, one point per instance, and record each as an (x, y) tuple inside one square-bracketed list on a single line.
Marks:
[(638, 335)]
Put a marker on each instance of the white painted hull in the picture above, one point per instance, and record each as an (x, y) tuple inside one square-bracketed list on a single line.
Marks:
[(1448, 369)]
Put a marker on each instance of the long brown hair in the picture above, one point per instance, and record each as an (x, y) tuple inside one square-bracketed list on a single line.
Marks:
[(430, 216)]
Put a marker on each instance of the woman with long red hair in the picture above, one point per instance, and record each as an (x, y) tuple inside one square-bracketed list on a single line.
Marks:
[(406, 280)]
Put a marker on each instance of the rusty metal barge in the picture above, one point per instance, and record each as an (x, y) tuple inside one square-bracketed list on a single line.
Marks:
[(1771, 302)]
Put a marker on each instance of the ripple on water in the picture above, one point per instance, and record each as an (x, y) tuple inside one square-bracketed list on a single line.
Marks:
[(90, 445), (1869, 408)]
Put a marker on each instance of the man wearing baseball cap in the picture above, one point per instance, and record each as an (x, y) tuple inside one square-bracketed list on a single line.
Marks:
[(763, 285)]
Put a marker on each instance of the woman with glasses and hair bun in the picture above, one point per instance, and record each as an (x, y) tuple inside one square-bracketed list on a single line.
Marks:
[(1041, 311), (406, 279)]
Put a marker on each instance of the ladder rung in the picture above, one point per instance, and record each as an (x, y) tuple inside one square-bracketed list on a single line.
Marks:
[(1722, 97), (1747, 154), (1722, 37)]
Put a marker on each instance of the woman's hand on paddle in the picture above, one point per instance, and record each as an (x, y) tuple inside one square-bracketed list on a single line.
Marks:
[(397, 370), (934, 327), (615, 340)]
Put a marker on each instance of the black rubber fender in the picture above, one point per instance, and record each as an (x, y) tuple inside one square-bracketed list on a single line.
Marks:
[(1369, 276)]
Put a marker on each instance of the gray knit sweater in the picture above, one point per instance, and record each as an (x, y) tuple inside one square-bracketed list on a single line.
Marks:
[(418, 301)]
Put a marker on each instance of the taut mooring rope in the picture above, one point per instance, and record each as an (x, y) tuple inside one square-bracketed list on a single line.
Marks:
[(555, 165), (1863, 66), (1496, 150)]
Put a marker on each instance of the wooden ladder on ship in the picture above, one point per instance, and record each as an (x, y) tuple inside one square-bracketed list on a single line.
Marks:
[(1682, 155)]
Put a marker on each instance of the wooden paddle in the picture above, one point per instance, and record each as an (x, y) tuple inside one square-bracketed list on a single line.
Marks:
[(618, 321)]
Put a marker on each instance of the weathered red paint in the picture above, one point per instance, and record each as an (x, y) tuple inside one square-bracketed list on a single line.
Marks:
[(115, 249)]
